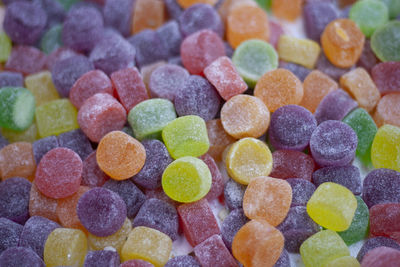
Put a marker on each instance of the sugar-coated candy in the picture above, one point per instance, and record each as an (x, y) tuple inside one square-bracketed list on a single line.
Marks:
[(218, 139), (55, 11), (368, 59), (198, 221), (92, 175), (10, 233), (315, 254), (171, 37), (384, 41), (385, 220), (298, 70), (386, 77), (181, 261), (217, 182), (118, 15), (347, 261), (375, 242), (213, 251), (65, 247), (42, 87), (381, 257), (296, 228), (253, 58), (393, 7), (187, 179), (30, 135), (349, 176), (332, 206), (4, 142), (188, 3), (267, 199), (284, 260), (102, 258), (231, 225), (248, 158), (174, 10), (160, 194), (147, 70), (245, 116), (57, 180), (24, 22), (233, 194), (325, 66), (317, 15), (11, 79), (301, 51), (16, 160), (101, 211), (388, 110), (258, 243), (385, 148), (136, 263), (120, 156), (287, 9), (302, 191), (292, 164), (20, 256), (40, 205), (147, 14), (147, 244), (275, 32), (77, 142), (5, 47), (17, 108), (60, 54), (51, 39), (26, 59)]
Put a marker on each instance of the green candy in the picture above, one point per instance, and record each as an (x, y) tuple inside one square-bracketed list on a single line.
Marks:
[(365, 128), (17, 108), (369, 15), (5, 47), (51, 40), (266, 4), (393, 7), (385, 42), (67, 4)]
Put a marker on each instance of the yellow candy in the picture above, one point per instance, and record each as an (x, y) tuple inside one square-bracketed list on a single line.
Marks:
[(116, 240), (42, 87), (147, 244), (385, 150), (55, 117), (29, 135), (248, 158), (300, 51), (65, 247), (332, 206), (346, 261), (187, 179)]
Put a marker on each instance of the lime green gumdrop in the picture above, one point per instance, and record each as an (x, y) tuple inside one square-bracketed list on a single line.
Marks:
[(385, 42), (5, 47), (385, 150), (51, 40)]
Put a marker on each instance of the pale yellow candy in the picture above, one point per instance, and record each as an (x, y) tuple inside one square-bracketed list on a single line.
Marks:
[(346, 261), (385, 150), (29, 135), (304, 52), (41, 86), (65, 247)]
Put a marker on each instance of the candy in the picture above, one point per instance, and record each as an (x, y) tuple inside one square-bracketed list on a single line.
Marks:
[(375, 242), (302, 190), (384, 42), (217, 183), (26, 59), (384, 220), (16, 160), (92, 175), (231, 225), (5, 47), (387, 111), (344, 261), (188, 3), (380, 257), (19, 256), (317, 15), (102, 258), (14, 199), (136, 263), (283, 260), (147, 14), (368, 59), (51, 39), (233, 194), (298, 70), (55, 11), (60, 54), (118, 15), (218, 139), (385, 148), (301, 51), (120, 156), (42, 87), (245, 116), (4, 142), (30, 135), (286, 9), (386, 77), (11, 79), (393, 7), (171, 37), (77, 142), (185, 260), (325, 66), (40, 205), (174, 10), (10, 233), (213, 251), (147, 70)]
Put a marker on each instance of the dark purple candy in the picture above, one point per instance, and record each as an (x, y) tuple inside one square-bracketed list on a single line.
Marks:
[(101, 211), (217, 183), (381, 186), (233, 193), (317, 16), (157, 159), (231, 225), (100, 258), (26, 60), (20, 256), (298, 70), (24, 22), (291, 127), (118, 15), (349, 176), (54, 10), (35, 233), (65, 72), (9, 78), (284, 260), (14, 199), (228, 50), (82, 28), (183, 261), (297, 227), (335, 106), (302, 190), (200, 17), (198, 97), (3, 141), (171, 37), (77, 141), (375, 242), (175, 61), (42, 146), (10, 233), (368, 59), (333, 143), (344, 13), (92, 175), (112, 54), (159, 215), (325, 66), (129, 193), (173, 8)]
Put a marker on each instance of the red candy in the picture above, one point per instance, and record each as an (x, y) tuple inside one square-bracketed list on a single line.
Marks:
[(217, 185), (381, 257), (292, 164), (385, 220), (213, 250), (26, 59)]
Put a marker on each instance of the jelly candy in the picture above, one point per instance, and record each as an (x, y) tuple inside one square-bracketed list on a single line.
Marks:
[(217, 183), (20, 256), (92, 175), (42, 87), (386, 77), (174, 10), (301, 51), (231, 225), (298, 70), (385, 148), (213, 251), (147, 14), (302, 190), (16, 160), (325, 66), (118, 15), (5, 47), (26, 59), (188, 3), (317, 15), (393, 7), (40, 205), (233, 194), (384, 42), (77, 142), (30, 135), (136, 263), (380, 257), (11, 79), (10, 233), (292, 164), (102, 258), (375, 242), (347, 261), (384, 220), (51, 39), (218, 139), (14, 199), (171, 37), (165, 81), (368, 59), (287, 9), (387, 110), (185, 260)]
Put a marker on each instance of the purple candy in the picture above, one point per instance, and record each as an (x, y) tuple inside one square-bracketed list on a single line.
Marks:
[(104, 258), (333, 143), (14, 199), (173, 8), (183, 261), (296, 228), (284, 260), (166, 80), (21, 257), (157, 159), (197, 96), (77, 141), (65, 72), (10, 78), (171, 37), (159, 215), (101, 211), (112, 54), (233, 193), (381, 186), (118, 15), (349, 176), (92, 175), (42, 146), (129, 193), (200, 17), (217, 183), (3, 141), (291, 128), (317, 16), (302, 190), (24, 22), (228, 50), (82, 28), (375, 242), (35, 233), (54, 10), (335, 106), (368, 59), (325, 66), (298, 70), (176, 61), (231, 225), (10, 233)]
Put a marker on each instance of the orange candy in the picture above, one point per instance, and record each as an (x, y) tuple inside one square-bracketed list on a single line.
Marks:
[(147, 14), (245, 116), (17, 159), (246, 22), (287, 9), (258, 243), (40, 205), (228, 5), (316, 86), (278, 88), (342, 42), (388, 110), (267, 198), (218, 138), (120, 156), (188, 3)]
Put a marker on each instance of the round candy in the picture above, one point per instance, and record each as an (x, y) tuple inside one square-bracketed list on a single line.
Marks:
[(20, 256), (185, 260), (302, 191), (231, 225), (375, 242), (385, 150), (381, 257), (14, 199), (385, 42), (388, 110)]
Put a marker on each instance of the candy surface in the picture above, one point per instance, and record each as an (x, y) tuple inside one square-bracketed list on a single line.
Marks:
[(384, 150)]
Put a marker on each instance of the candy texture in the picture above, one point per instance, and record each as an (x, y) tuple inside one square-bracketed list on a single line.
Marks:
[(20, 256), (385, 148), (231, 225), (300, 51), (213, 251), (302, 190), (10, 233), (14, 199), (380, 257), (17, 160), (384, 220)]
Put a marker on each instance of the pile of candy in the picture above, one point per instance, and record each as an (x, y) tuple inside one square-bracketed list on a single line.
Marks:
[(130, 128)]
